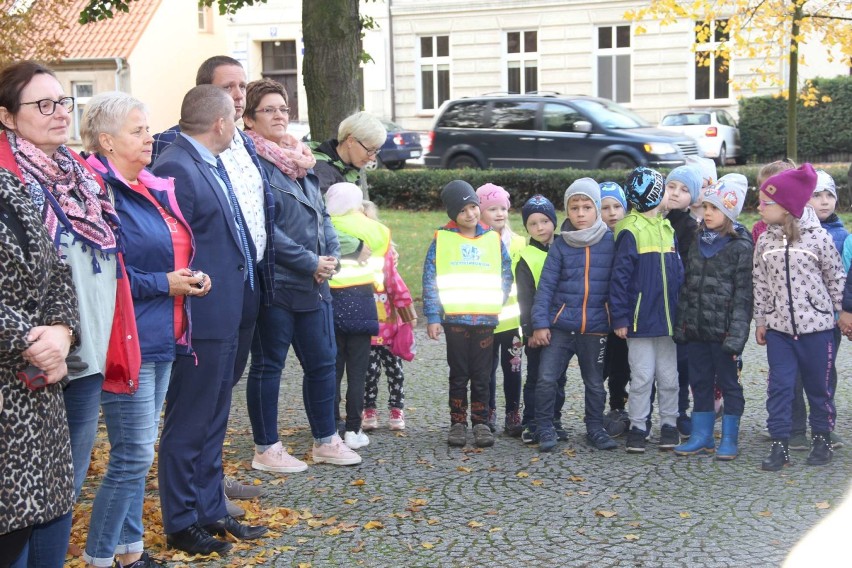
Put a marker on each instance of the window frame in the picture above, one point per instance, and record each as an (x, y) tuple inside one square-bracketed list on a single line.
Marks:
[(435, 62), (614, 51), (522, 58), (710, 45), (79, 106)]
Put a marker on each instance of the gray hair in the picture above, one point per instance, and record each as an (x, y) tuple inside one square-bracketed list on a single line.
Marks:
[(364, 127), (202, 106), (105, 114)]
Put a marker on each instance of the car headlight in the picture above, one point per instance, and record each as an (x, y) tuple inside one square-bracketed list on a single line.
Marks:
[(660, 148)]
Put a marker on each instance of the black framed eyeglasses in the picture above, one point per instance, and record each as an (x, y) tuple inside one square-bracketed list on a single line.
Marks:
[(48, 106), (370, 153)]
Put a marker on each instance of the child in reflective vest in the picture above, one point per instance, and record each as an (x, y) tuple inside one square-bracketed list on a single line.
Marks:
[(467, 277), (494, 203)]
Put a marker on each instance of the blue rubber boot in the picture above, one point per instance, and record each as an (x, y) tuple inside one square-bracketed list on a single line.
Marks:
[(728, 447), (701, 441)]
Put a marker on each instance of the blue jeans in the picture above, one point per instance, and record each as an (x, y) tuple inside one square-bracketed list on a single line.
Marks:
[(82, 403), (709, 366), (312, 335), (47, 545), (590, 351), (131, 421), (533, 365)]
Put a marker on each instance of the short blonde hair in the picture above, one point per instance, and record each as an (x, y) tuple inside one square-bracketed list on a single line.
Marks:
[(105, 114), (772, 168), (365, 127)]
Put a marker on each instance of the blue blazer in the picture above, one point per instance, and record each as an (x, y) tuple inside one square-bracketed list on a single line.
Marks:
[(218, 250)]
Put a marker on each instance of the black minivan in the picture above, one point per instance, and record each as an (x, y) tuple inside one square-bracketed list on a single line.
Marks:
[(549, 131)]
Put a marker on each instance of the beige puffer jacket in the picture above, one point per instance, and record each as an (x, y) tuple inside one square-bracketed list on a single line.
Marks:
[(798, 286)]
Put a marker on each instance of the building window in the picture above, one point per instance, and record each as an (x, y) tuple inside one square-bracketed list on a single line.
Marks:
[(205, 19), (83, 91), (522, 62), (712, 69), (279, 63), (434, 71), (613, 60)]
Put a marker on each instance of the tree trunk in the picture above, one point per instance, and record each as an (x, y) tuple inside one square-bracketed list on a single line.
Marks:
[(332, 36), (793, 87)]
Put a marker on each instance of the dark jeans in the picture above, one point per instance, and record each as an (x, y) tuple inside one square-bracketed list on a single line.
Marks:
[(683, 381), (12, 544), (507, 355), (312, 335), (709, 365), (800, 411), (533, 370), (469, 352), (812, 356), (590, 351), (616, 371), (353, 358)]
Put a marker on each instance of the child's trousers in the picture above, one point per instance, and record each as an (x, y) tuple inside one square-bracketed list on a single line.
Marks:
[(381, 356), (800, 411), (353, 358), (507, 355), (708, 364), (469, 352), (533, 371), (812, 355), (616, 371), (590, 351), (650, 358)]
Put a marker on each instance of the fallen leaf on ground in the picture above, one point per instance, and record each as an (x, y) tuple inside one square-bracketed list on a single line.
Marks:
[(685, 515), (576, 478), (474, 524), (823, 505), (631, 537), (357, 482), (427, 545), (522, 474), (374, 525), (765, 514), (606, 514), (463, 469), (350, 501)]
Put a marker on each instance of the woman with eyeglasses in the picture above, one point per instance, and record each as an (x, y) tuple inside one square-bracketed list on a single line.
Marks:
[(158, 252), (359, 138), (306, 256), (82, 224)]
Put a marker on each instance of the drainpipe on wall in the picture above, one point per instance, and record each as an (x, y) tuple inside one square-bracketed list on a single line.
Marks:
[(392, 74)]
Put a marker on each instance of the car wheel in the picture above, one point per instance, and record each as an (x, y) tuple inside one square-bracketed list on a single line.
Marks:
[(618, 162), (374, 165), (462, 162), (740, 160), (722, 160), (398, 165)]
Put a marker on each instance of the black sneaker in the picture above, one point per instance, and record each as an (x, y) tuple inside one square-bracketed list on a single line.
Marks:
[(601, 440), (779, 456), (669, 437), (546, 440), (684, 425), (144, 561), (636, 441), (821, 451), (616, 422), (561, 432), (529, 436)]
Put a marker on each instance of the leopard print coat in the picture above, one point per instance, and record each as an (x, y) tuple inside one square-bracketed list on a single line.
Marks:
[(36, 472)]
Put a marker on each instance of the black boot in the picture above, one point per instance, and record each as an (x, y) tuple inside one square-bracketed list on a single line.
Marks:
[(778, 457), (821, 450)]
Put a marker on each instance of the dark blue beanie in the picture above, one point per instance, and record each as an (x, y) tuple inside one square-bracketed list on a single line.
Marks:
[(538, 204)]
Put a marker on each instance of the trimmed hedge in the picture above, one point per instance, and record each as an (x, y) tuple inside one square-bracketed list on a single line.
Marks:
[(824, 130), (419, 189)]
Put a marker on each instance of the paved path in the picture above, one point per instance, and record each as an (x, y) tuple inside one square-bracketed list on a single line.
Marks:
[(509, 505)]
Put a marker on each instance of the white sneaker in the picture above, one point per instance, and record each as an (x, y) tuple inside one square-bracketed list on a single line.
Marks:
[(335, 452), (276, 459), (356, 440)]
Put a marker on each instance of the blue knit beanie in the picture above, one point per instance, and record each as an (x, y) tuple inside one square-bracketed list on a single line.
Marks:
[(690, 176), (538, 204), (611, 190), (644, 188)]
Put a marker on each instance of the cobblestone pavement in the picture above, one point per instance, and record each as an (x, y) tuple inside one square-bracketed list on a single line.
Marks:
[(509, 505)]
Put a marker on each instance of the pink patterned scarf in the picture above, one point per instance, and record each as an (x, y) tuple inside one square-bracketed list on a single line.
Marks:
[(69, 196), (292, 157)]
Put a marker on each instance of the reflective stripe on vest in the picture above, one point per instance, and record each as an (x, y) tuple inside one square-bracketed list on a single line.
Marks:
[(377, 237), (510, 315), (534, 258), (469, 273)]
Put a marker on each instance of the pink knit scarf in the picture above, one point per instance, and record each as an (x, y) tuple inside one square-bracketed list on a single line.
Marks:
[(292, 156)]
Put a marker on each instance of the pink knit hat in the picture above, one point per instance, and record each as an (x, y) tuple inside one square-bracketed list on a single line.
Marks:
[(490, 194), (792, 189)]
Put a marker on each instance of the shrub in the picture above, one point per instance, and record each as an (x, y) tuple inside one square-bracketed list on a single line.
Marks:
[(419, 189)]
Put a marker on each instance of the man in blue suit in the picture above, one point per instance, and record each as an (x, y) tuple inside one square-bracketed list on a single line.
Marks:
[(199, 395), (257, 205)]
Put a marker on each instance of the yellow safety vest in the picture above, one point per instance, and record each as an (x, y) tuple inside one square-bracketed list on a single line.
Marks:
[(377, 237), (469, 273), (535, 258), (510, 315)]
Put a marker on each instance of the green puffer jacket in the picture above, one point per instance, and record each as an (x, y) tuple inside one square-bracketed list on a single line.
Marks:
[(715, 303)]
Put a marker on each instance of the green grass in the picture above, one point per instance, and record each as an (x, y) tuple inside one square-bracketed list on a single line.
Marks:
[(412, 231)]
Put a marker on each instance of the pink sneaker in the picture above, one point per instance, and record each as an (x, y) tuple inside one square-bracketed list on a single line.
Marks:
[(369, 419), (397, 419), (276, 459), (335, 452)]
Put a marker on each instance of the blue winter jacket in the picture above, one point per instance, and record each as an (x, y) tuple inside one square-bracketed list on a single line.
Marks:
[(432, 302), (836, 229), (149, 256), (573, 290), (646, 276)]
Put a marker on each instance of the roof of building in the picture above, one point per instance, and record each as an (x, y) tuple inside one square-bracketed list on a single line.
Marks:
[(116, 37)]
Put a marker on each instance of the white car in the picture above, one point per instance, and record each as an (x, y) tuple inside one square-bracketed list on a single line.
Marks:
[(714, 130)]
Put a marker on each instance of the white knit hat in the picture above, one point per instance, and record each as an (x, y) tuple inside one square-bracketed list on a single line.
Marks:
[(343, 197)]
